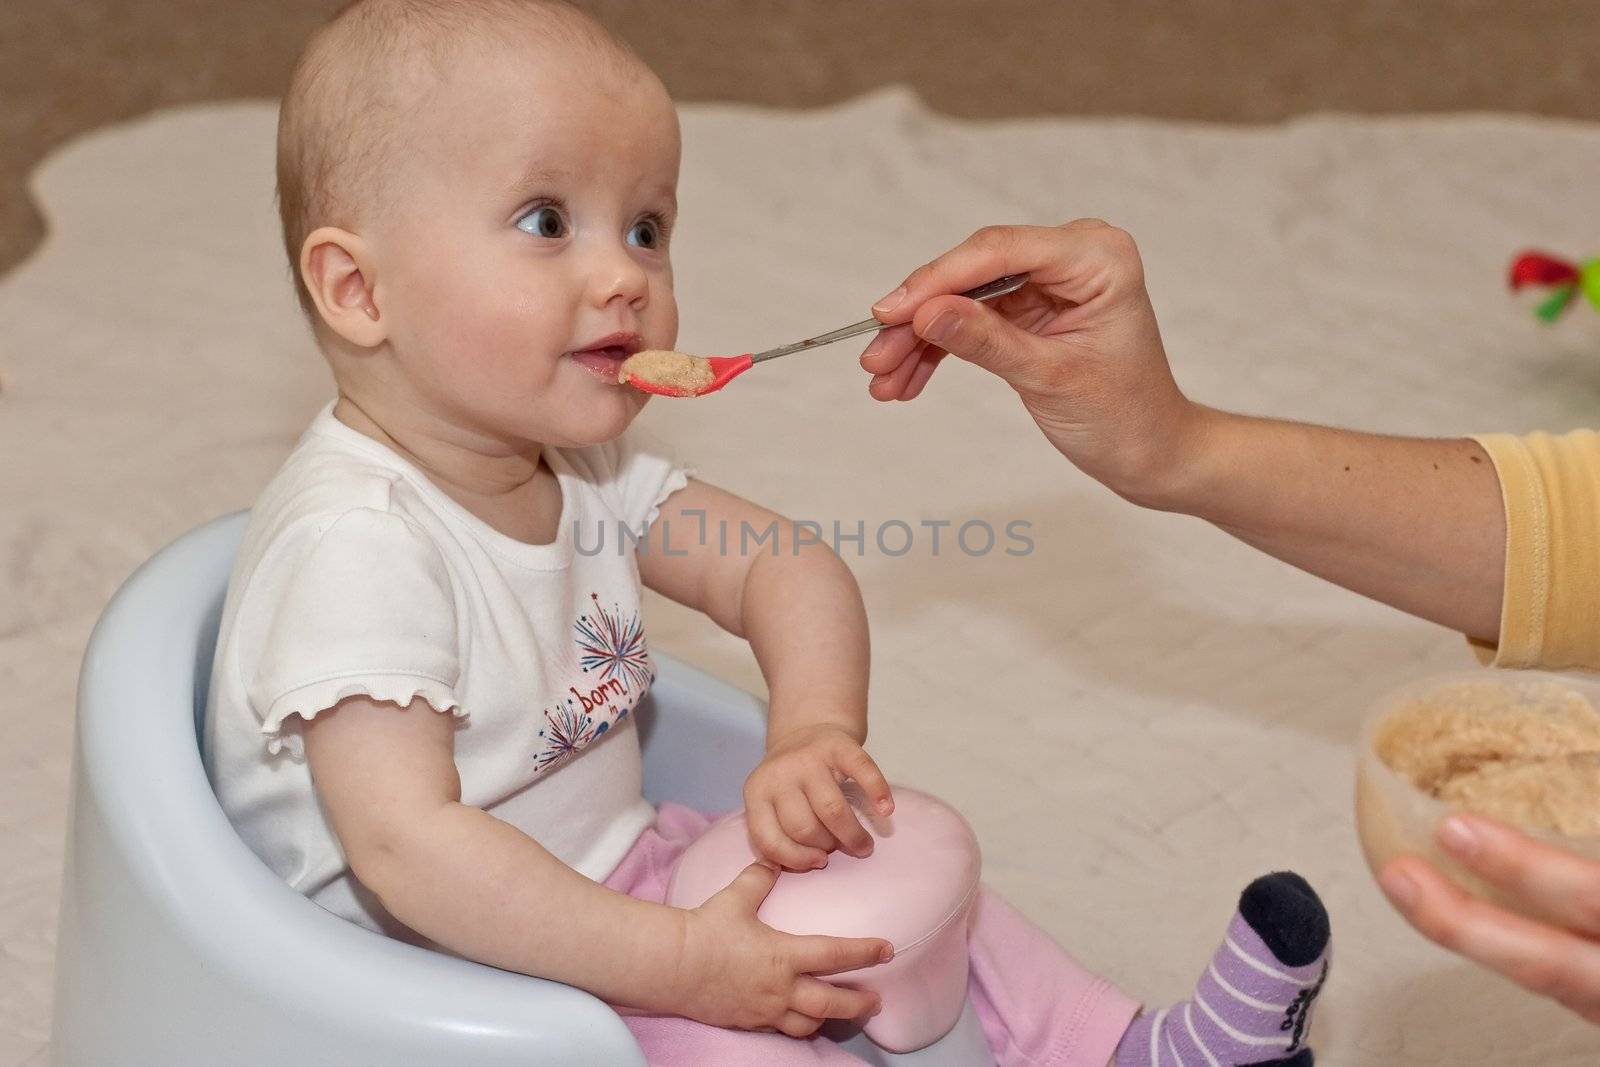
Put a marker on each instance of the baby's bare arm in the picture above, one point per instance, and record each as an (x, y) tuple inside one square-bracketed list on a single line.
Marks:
[(798, 605), (480, 887), (473, 883), (761, 577)]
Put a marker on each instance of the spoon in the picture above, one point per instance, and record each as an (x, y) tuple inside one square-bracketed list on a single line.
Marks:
[(726, 368)]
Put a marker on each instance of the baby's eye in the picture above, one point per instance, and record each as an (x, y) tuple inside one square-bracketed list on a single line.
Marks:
[(545, 220), (646, 233)]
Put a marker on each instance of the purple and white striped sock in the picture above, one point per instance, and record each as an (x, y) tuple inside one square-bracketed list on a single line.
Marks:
[(1253, 1003)]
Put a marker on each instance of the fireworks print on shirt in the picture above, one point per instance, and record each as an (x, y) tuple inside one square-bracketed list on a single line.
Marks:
[(616, 670), (614, 645), (566, 731)]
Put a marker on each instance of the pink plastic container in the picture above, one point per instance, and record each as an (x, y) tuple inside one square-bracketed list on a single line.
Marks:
[(916, 891)]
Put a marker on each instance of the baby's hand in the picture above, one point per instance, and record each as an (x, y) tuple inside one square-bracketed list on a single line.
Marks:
[(740, 972), (794, 802)]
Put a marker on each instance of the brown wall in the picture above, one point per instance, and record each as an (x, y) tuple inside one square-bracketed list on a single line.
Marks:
[(70, 65)]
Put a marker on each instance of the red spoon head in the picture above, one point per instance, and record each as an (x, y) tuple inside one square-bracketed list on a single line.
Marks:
[(645, 385), (723, 370)]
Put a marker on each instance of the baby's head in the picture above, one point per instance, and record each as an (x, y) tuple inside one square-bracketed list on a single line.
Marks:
[(477, 197)]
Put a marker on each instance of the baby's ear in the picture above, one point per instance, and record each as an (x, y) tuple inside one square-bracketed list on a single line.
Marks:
[(339, 272)]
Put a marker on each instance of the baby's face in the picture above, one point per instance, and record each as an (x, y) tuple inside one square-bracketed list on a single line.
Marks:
[(527, 253)]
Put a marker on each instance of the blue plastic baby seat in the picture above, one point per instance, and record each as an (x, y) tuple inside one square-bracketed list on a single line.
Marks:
[(178, 946)]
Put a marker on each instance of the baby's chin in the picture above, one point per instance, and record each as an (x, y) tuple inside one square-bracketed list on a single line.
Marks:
[(592, 417)]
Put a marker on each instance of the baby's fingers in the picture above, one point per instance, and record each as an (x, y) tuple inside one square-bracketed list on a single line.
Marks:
[(854, 763), (770, 842), (800, 821), (819, 954), (795, 1024), (821, 1000), (828, 801), (750, 887)]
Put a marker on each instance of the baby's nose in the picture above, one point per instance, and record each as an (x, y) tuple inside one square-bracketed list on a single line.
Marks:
[(618, 277)]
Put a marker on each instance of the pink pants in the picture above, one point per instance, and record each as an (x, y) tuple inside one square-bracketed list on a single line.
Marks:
[(1036, 1005)]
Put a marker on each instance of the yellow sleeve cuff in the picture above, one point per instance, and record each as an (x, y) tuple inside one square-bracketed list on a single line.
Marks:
[(1550, 615)]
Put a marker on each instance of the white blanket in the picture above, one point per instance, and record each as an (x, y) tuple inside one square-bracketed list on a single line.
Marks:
[(1138, 717)]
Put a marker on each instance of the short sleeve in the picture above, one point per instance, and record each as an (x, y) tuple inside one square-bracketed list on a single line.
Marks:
[(634, 473), (367, 608), (1551, 607)]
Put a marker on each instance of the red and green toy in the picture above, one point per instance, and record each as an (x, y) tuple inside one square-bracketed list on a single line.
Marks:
[(1565, 280)]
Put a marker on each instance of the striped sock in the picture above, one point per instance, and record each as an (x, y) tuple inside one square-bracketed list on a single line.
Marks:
[(1253, 1004)]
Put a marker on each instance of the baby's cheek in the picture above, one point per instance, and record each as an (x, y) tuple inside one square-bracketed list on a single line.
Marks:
[(660, 326), (497, 333)]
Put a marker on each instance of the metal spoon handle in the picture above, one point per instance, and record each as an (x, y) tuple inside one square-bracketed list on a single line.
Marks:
[(999, 287)]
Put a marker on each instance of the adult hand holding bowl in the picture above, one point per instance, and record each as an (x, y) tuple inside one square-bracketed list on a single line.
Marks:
[(1519, 893)]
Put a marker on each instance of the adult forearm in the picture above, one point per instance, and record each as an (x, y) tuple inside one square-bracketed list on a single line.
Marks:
[(1416, 523), (480, 887)]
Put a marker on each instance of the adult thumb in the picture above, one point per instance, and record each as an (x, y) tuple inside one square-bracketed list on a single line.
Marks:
[(979, 335)]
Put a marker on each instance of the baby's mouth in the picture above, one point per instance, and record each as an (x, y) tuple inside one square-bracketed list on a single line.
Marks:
[(603, 362)]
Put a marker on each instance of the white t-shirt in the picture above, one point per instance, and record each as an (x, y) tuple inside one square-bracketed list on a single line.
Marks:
[(358, 576)]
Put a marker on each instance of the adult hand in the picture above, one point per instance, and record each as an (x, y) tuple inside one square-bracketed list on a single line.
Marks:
[(1422, 526), (1078, 343), (1558, 958)]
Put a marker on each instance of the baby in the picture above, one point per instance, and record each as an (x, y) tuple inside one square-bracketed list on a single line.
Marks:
[(420, 709)]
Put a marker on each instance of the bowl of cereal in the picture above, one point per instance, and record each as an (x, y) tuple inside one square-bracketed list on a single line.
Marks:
[(1522, 748)]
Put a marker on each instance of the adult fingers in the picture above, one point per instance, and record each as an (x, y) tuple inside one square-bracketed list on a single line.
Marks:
[(1075, 260), (889, 385), (907, 380), (889, 348), (925, 368), (982, 336), (1558, 884), (1542, 959)]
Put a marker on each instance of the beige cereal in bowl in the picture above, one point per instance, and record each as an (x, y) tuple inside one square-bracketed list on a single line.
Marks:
[(1520, 748)]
